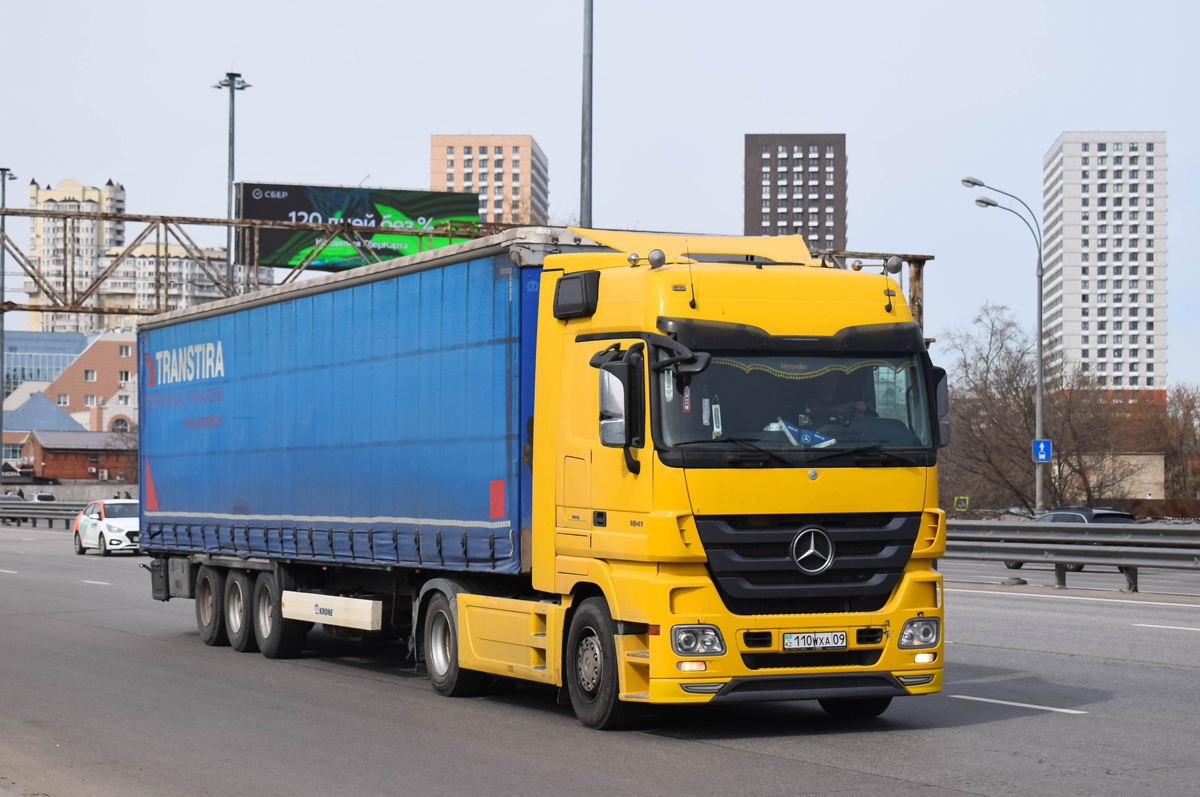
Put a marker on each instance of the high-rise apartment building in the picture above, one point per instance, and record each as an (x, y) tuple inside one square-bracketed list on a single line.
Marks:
[(86, 248), (60, 248), (1104, 213), (795, 184), (509, 173)]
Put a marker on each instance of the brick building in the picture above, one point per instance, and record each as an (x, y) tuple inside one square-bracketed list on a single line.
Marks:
[(95, 456), (99, 389), (510, 174)]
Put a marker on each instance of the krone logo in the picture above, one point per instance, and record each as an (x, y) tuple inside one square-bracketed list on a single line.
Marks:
[(812, 550)]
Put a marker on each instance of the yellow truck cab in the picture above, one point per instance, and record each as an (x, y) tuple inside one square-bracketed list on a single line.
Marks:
[(735, 482)]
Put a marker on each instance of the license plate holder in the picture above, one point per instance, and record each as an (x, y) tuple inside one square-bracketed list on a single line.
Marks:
[(814, 640)]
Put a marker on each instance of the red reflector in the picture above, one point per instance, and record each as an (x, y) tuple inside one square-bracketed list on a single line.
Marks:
[(496, 499), (653, 630)]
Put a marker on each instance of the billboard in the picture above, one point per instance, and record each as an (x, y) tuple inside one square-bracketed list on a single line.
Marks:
[(403, 210)]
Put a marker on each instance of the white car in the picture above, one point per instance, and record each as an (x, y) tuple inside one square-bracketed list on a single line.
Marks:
[(109, 525)]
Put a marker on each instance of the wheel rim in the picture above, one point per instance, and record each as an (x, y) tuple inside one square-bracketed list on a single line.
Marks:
[(264, 613), (204, 599), (236, 607), (441, 643), (589, 663), (78, 542)]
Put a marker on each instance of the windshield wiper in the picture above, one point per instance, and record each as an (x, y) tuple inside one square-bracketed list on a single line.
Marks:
[(875, 450), (746, 442)]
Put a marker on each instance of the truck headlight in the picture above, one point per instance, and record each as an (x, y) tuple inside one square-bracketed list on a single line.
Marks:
[(922, 632), (697, 640)]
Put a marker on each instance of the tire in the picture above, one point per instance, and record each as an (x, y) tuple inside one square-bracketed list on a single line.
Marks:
[(441, 652), (210, 606), (239, 616), (1074, 568), (277, 638), (79, 549), (103, 545), (855, 708), (593, 680), (1014, 565)]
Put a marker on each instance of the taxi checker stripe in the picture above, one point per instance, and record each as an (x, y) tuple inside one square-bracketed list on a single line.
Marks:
[(472, 524)]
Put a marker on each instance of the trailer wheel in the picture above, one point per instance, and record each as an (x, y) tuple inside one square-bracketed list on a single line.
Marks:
[(593, 680), (441, 652), (855, 708), (210, 606), (277, 638), (239, 616)]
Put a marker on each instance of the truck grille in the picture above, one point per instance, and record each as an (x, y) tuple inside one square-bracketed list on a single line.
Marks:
[(749, 559)]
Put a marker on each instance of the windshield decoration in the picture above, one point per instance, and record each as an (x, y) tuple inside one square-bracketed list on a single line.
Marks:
[(787, 370)]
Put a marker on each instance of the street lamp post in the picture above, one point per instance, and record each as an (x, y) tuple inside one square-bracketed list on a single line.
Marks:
[(5, 175), (233, 81), (1035, 229)]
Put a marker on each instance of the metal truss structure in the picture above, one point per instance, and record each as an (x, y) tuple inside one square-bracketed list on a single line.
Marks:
[(72, 299)]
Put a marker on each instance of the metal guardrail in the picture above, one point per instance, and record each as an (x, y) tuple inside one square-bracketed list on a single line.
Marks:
[(1124, 546), (20, 512)]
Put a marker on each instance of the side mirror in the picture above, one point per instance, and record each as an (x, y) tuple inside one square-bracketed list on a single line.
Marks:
[(942, 397), (612, 407), (622, 406)]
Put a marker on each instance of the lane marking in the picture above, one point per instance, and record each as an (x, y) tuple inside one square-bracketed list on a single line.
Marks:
[(1069, 598), (10, 572), (1018, 705), (101, 583), (1139, 625)]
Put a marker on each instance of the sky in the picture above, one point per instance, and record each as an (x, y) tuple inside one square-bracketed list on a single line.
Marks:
[(348, 93)]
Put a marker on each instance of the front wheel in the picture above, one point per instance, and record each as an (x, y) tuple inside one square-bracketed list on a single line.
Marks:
[(591, 668), (103, 546), (79, 549), (441, 652), (855, 708)]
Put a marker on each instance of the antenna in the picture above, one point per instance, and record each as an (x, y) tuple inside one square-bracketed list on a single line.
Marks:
[(692, 282)]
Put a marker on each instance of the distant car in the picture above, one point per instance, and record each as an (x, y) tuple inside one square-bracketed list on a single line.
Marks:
[(40, 497), (1079, 514), (108, 525), (11, 497)]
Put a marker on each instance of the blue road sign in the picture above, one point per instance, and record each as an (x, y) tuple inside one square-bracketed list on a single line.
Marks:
[(1043, 450)]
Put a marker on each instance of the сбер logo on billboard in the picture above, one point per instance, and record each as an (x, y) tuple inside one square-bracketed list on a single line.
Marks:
[(256, 193)]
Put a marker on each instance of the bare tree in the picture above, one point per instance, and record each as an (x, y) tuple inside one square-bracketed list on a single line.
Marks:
[(993, 391)]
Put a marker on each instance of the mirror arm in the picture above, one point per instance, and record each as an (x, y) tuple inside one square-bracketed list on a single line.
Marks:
[(632, 464)]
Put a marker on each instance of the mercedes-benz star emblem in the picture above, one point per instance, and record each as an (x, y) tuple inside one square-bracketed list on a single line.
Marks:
[(812, 550)]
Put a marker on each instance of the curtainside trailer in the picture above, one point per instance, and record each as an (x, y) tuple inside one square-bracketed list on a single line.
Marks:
[(642, 468)]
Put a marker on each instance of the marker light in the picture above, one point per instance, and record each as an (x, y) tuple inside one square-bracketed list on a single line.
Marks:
[(925, 658), (692, 666)]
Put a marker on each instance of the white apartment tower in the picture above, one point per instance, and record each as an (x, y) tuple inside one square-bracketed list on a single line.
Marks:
[(1104, 210), (60, 249)]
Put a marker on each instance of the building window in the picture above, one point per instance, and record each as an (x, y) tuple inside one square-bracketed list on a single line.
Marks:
[(124, 351), (64, 400), (1086, 146), (89, 376), (122, 376), (498, 205), (120, 425), (123, 400), (89, 401)]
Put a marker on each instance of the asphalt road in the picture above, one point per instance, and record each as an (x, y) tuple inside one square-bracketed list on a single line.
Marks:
[(107, 692)]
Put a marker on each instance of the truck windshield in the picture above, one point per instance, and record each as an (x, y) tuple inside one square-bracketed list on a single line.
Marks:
[(797, 402)]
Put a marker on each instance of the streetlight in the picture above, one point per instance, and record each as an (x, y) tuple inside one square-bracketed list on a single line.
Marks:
[(233, 81), (5, 175), (1035, 229)]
